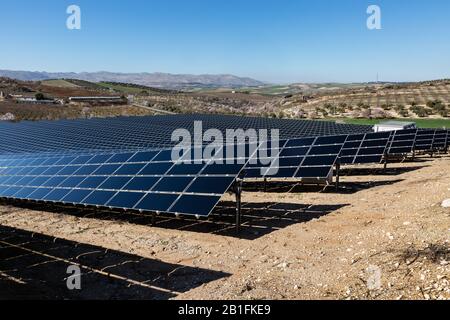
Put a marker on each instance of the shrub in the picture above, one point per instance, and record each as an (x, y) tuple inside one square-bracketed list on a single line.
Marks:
[(40, 96), (399, 108), (419, 111), (443, 113), (404, 113), (434, 104)]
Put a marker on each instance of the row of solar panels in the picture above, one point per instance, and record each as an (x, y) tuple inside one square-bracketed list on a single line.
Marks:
[(147, 181), (393, 143), (133, 133), (151, 181), (315, 157)]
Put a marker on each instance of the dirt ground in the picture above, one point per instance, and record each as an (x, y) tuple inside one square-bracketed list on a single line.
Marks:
[(384, 235)]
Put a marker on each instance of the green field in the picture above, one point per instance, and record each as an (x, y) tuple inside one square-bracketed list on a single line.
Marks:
[(121, 88), (421, 123)]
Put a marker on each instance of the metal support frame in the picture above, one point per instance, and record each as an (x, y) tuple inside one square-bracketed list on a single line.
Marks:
[(265, 185), (338, 175), (238, 193), (386, 160)]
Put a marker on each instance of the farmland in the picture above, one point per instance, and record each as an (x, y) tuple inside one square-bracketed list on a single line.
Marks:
[(427, 103)]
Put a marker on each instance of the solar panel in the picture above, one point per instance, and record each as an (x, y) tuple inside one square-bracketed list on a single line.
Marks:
[(440, 140), (402, 142), (142, 181), (424, 140), (305, 158), (365, 148), (447, 143)]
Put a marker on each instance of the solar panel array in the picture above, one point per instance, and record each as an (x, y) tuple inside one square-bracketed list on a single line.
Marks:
[(137, 133), (146, 181), (127, 163), (422, 140)]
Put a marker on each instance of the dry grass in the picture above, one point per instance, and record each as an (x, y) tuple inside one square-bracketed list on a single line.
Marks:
[(54, 112)]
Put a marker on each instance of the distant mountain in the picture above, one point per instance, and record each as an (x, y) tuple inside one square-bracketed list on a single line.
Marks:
[(159, 80)]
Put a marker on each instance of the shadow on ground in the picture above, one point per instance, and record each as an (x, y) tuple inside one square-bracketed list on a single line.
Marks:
[(259, 219), (284, 187), (435, 253), (389, 171), (34, 266)]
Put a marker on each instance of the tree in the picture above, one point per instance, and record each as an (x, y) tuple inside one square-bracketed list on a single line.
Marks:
[(40, 96), (404, 113)]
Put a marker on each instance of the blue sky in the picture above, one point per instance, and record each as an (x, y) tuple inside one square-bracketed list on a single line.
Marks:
[(278, 41)]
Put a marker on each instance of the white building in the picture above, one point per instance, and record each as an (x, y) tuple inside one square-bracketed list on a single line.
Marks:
[(94, 99), (394, 126)]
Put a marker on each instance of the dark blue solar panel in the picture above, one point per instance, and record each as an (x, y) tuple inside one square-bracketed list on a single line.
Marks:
[(40, 193), (72, 182), (424, 140), (125, 200), (156, 202), (107, 169), (76, 196), (120, 158), (156, 168), (314, 172), (99, 198), (223, 169), (196, 205), (142, 183), (115, 183), (211, 184), (402, 142), (172, 184), (130, 169), (56, 195), (186, 169), (92, 182)]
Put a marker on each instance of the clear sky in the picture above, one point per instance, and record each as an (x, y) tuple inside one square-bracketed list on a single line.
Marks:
[(278, 41)]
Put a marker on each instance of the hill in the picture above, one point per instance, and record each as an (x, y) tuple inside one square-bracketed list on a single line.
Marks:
[(427, 103), (159, 80)]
